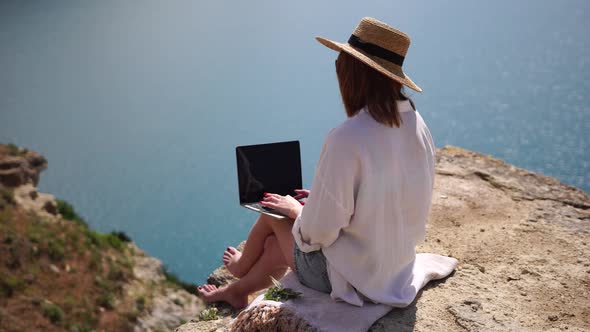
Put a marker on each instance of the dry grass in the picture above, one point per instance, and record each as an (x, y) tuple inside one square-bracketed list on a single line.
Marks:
[(57, 276)]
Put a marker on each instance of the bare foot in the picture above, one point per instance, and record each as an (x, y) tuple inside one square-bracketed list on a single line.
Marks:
[(211, 293), (231, 260)]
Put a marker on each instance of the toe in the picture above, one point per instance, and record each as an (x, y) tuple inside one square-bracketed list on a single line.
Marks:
[(232, 250)]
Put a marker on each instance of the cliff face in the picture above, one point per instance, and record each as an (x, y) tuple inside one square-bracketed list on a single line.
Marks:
[(522, 240), (20, 166), (57, 274)]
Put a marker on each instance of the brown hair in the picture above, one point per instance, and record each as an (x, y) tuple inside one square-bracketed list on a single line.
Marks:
[(361, 85)]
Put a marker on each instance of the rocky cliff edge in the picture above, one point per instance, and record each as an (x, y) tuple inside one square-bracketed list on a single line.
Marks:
[(522, 240), (57, 274)]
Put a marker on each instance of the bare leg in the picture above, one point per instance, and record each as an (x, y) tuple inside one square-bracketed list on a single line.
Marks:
[(282, 230), (239, 263), (270, 263)]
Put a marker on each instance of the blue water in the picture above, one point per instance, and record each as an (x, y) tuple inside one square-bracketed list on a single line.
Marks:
[(138, 105)]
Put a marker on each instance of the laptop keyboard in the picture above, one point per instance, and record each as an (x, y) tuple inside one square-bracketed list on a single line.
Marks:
[(260, 206)]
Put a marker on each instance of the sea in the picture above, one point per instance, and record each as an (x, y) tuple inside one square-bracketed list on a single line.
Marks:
[(139, 105)]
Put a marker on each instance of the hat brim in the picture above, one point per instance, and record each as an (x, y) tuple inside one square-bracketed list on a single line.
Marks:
[(393, 71)]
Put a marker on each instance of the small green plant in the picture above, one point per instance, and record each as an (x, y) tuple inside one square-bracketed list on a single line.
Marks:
[(279, 293), (126, 262), (13, 150), (52, 312), (56, 250), (113, 240), (86, 316), (116, 273), (122, 236), (35, 236), (132, 315), (10, 284), (209, 314), (100, 240), (140, 303), (108, 289), (93, 238), (67, 212), (106, 300), (95, 262), (69, 303), (83, 328), (8, 239), (6, 196)]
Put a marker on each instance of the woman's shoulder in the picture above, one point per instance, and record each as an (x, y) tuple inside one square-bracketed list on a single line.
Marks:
[(352, 128)]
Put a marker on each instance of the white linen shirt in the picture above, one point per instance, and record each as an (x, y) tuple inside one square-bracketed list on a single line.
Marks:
[(368, 206)]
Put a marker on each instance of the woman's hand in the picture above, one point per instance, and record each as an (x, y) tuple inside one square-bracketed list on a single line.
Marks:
[(301, 193), (286, 205)]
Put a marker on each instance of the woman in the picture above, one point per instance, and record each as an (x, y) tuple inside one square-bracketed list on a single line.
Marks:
[(356, 235)]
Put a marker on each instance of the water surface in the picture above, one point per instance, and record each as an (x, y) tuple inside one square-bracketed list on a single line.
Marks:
[(138, 105)]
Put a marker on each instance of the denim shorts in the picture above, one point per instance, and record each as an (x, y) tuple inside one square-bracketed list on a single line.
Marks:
[(311, 270)]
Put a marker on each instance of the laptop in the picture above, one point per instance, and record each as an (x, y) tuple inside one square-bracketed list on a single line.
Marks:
[(272, 168)]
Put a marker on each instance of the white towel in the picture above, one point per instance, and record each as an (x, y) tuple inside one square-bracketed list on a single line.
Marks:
[(318, 311)]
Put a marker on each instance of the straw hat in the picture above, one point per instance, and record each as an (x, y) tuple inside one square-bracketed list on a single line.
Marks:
[(379, 46)]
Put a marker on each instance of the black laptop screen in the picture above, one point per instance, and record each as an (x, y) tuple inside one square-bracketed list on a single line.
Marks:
[(273, 168)]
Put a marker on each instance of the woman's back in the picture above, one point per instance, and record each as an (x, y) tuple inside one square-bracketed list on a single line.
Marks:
[(380, 178)]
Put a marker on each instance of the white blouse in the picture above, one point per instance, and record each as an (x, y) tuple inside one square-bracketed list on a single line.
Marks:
[(368, 207)]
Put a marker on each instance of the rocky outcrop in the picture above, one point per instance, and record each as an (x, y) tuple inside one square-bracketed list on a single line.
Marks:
[(20, 166), (168, 305), (31, 228), (30, 199), (523, 243)]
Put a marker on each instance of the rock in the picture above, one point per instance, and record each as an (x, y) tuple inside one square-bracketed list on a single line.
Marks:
[(473, 192), (481, 269), (516, 182), (43, 204), (50, 207), (54, 269), (166, 314), (30, 278), (220, 276), (148, 268), (20, 168), (170, 306)]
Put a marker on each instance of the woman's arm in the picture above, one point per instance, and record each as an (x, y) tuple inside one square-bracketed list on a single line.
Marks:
[(330, 204)]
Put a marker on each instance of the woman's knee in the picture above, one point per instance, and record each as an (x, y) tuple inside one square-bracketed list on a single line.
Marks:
[(267, 219), (271, 243), (272, 251)]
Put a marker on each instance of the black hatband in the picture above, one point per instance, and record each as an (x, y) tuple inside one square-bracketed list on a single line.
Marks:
[(376, 50)]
